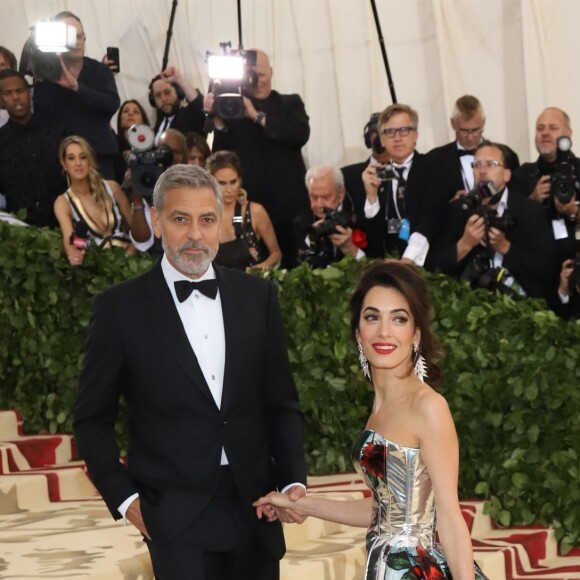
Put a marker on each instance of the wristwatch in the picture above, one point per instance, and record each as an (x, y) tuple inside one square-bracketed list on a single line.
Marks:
[(258, 120)]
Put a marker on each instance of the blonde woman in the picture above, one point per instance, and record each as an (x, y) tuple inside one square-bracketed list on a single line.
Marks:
[(93, 209)]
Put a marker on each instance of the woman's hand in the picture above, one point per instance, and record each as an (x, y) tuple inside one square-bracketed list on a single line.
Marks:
[(75, 255)]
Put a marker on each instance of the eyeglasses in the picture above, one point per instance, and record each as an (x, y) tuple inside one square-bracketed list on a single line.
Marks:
[(402, 131), (489, 163), (468, 132)]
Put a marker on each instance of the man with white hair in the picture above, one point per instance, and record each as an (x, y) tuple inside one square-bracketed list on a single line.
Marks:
[(327, 232)]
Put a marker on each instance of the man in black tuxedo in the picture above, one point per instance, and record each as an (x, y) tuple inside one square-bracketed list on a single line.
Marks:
[(215, 418), (516, 247), (401, 215), (451, 171), (268, 141), (167, 92)]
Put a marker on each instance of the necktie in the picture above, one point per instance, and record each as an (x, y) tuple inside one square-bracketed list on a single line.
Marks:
[(184, 288), (462, 152), (401, 187)]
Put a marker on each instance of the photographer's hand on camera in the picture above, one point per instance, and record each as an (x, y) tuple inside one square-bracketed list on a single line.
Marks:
[(343, 241), (473, 235), (208, 104), (371, 182), (67, 79), (251, 113), (570, 210), (542, 189), (498, 241)]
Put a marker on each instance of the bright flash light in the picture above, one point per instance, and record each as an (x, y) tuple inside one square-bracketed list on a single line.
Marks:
[(225, 67), (55, 36)]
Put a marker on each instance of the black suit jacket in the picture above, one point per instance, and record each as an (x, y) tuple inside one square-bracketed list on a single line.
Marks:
[(355, 187), (531, 257), (424, 210), (137, 347), (271, 156)]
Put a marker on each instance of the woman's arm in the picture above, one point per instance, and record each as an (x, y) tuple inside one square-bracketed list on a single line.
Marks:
[(264, 229), (440, 450), (63, 214), (351, 512)]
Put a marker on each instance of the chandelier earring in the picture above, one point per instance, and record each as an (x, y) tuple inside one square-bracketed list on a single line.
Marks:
[(364, 363), (420, 367)]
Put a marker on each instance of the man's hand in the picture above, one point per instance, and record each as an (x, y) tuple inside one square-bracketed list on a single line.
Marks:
[(542, 189), (249, 109), (343, 241), (474, 231), (459, 193), (498, 241), (134, 516), (565, 273), (208, 104), (111, 64), (569, 209), (67, 79), (172, 75), (371, 182)]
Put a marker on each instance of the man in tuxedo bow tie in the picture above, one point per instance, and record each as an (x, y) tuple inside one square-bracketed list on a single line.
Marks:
[(215, 417)]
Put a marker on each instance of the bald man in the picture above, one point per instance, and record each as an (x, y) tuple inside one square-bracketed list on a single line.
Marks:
[(268, 141)]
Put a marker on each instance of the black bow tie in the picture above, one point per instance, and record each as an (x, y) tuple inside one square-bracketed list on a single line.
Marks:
[(462, 152), (184, 288)]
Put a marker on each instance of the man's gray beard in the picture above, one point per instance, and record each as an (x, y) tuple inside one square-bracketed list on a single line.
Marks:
[(190, 264)]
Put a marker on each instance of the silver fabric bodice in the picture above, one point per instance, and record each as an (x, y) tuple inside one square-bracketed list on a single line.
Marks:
[(404, 502)]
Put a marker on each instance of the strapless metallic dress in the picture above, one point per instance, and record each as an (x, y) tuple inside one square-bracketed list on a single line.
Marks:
[(401, 537)]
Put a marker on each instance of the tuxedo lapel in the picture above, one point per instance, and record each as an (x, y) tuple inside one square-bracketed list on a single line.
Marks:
[(233, 315), (165, 320)]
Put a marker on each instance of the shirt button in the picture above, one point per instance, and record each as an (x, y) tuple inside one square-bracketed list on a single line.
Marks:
[(205, 336), (213, 377), (196, 296)]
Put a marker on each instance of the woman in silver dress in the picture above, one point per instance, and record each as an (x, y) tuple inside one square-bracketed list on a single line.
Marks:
[(408, 453)]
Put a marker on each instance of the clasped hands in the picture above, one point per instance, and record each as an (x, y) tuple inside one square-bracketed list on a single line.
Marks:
[(281, 506)]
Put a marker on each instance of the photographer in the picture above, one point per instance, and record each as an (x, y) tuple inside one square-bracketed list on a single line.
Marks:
[(84, 98), (167, 92), (326, 233), (552, 180), (268, 141), (493, 237)]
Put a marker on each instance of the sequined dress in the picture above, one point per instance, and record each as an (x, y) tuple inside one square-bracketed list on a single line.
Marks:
[(401, 537)]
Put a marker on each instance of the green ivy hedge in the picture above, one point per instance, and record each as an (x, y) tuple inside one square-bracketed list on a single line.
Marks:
[(512, 371)]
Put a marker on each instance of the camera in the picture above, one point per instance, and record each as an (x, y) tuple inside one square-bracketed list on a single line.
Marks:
[(563, 182), (473, 199), (40, 55), (146, 162), (321, 252), (385, 172), (231, 74), (481, 274), (327, 227)]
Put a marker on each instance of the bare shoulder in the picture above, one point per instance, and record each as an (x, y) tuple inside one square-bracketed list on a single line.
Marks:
[(430, 406)]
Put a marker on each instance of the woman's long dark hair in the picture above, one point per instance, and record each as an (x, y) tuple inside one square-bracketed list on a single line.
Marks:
[(407, 280)]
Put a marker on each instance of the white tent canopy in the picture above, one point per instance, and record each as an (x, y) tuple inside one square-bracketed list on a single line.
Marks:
[(516, 56)]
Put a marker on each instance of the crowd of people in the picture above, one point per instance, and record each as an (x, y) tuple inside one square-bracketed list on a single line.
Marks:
[(466, 208)]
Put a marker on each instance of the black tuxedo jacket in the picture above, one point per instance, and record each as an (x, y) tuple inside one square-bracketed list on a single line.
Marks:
[(446, 175), (531, 258), (137, 347), (355, 187), (424, 210)]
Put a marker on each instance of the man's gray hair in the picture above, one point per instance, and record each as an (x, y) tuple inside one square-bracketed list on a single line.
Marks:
[(181, 175), (320, 171)]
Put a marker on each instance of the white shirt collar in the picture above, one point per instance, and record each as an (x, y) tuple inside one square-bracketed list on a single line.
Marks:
[(407, 163)]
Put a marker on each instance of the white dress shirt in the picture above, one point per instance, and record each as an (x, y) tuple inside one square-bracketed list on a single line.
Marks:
[(417, 245)]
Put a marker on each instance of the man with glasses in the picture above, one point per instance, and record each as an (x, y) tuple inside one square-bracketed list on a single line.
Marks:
[(496, 239), (83, 99), (400, 214), (451, 163)]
